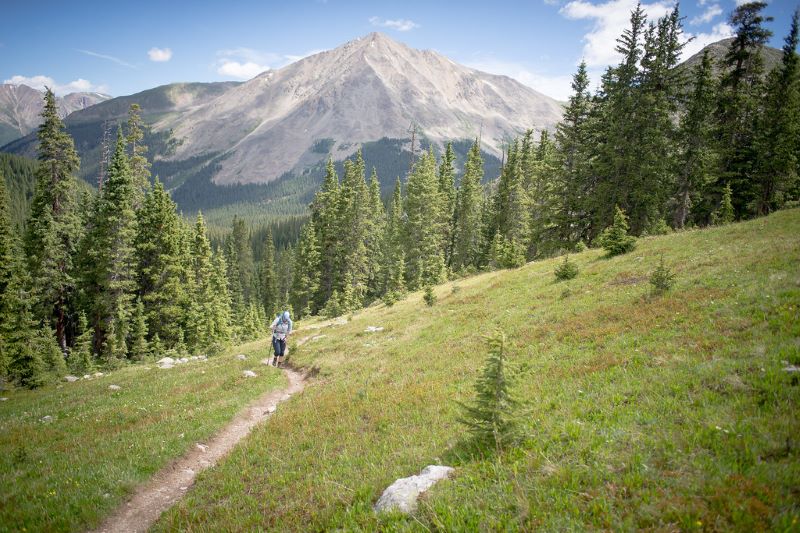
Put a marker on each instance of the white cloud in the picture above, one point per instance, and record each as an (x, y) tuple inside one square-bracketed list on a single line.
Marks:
[(554, 86), (40, 82), (720, 31), (159, 55), (116, 60), (707, 16), (610, 19), (245, 63), (394, 24), (552, 2)]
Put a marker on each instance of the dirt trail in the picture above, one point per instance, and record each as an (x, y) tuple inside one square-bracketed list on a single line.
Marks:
[(171, 483)]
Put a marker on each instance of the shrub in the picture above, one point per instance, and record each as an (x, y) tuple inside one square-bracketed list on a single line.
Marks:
[(428, 296), (615, 239), (492, 417), (662, 279), (566, 270), (580, 247)]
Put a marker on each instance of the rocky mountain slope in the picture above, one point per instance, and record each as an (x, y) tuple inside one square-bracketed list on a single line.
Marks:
[(21, 105), (362, 91)]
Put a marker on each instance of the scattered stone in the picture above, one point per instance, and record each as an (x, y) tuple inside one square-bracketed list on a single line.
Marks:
[(201, 447), (193, 358), (791, 369), (71, 379), (249, 374), (272, 408), (98, 374), (373, 329), (402, 494), (166, 361), (166, 366), (3, 399), (241, 357), (266, 361), (114, 387), (317, 337), (87, 376), (285, 397), (184, 359), (46, 419), (202, 357)]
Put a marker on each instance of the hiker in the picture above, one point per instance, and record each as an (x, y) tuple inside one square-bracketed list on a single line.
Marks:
[(281, 328)]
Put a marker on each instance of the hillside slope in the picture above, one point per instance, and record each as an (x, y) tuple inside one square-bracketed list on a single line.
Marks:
[(666, 413)]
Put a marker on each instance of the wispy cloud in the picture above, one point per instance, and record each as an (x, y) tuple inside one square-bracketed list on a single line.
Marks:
[(394, 24), (40, 82), (609, 20), (159, 55), (707, 16), (245, 63), (116, 60)]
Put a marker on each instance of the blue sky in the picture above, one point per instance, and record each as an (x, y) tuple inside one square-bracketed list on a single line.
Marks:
[(124, 47)]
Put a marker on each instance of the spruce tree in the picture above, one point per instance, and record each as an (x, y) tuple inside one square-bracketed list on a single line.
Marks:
[(778, 136), (81, 359), (200, 326), (393, 270), (424, 247), (447, 190), (269, 288), (220, 305), (352, 226), (324, 215), (615, 239), (696, 154), (138, 333), (162, 276), (53, 229), (376, 227), (467, 215), (305, 272), (139, 165), (741, 92), (9, 273)]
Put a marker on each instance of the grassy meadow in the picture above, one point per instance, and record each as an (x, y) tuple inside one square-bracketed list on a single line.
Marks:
[(68, 473), (665, 413)]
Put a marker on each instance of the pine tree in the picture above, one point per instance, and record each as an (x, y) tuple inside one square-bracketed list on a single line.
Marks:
[(741, 91), (243, 256), (353, 224), (9, 272), (725, 213), (376, 227), (447, 190), (467, 215), (139, 165), (235, 289), (269, 289), (778, 136), (615, 239), (26, 366), (393, 271), (200, 326), (306, 270), (162, 276), (113, 270), (572, 182), (492, 417), (324, 213), (424, 249), (81, 360), (53, 228), (539, 174), (220, 305), (696, 160), (138, 333)]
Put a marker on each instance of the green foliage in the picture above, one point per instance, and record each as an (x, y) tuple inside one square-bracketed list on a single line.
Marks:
[(492, 417), (81, 360), (467, 213), (306, 272), (138, 333), (725, 212), (424, 204), (428, 295), (505, 253), (566, 270), (615, 239), (662, 279)]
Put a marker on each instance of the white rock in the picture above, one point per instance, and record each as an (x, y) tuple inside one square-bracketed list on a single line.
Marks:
[(98, 374), (166, 366), (193, 358), (272, 408), (114, 387), (3, 399), (184, 359), (166, 361), (202, 357), (46, 419), (71, 379), (266, 361), (285, 397), (373, 329), (201, 447), (249, 374), (241, 357), (87, 376), (791, 369), (402, 494)]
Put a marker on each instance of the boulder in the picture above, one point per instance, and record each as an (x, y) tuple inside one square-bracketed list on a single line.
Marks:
[(266, 361), (166, 361), (3, 399), (241, 357), (184, 359), (46, 419), (373, 329), (271, 409), (166, 366), (87, 376), (791, 369), (114, 387), (402, 494), (71, 379), (98, 374), (249, 374)]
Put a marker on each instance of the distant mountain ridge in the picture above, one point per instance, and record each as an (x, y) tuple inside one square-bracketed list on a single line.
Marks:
[(20, 107)]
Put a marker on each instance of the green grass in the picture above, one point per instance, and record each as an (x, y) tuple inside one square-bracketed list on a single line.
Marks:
[(66, 475), (666, 412)]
